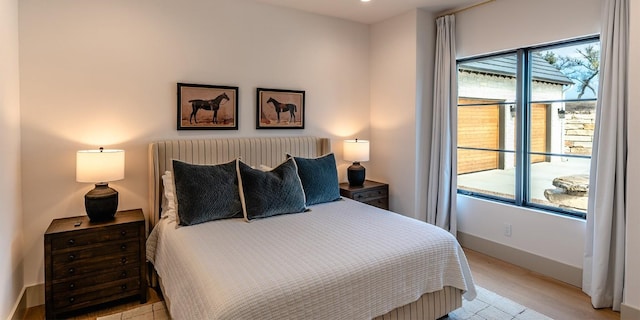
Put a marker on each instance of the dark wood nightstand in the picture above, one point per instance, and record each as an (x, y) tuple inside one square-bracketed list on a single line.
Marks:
[(94, 262), (372, 193)]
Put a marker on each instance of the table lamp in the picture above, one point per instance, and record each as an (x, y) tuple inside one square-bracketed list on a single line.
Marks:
[(356, 151), (100, 167)]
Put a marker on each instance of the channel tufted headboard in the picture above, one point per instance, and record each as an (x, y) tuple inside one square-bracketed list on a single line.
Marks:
[(269, 151)]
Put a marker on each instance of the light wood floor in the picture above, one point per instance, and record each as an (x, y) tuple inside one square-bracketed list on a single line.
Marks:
[(551, 297), (548, 296)]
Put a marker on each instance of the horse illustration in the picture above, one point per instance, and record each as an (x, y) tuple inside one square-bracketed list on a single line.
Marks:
[(213, 105), (284, 107)]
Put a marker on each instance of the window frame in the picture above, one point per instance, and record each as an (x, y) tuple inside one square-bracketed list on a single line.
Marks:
[(522, 149)]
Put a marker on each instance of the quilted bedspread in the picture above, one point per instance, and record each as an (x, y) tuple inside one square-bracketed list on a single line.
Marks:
[(341, 260)]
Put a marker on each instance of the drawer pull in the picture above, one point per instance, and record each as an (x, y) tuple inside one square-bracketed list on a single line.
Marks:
[(123, 274), (71, 242), (359, 196), (123, 247), (72, 299), (123, 260), (72, 270), (72, 286), (72, 257), (123, 287), (123, 233)]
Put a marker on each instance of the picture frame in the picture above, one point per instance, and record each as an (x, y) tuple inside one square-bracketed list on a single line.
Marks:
[(280, 109), (207, 107)]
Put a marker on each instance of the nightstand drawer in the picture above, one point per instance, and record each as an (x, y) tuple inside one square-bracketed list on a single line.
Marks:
[(85, 284), (78, 268), (90, 237), (110, 249), (76, 299), (371, 192), (366, 196), (382, 203)]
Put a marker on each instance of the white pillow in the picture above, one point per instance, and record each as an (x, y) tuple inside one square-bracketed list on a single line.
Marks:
[(169, 197)]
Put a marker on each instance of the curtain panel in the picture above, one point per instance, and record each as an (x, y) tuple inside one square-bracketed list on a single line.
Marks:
[(603, 271), (442, 186)]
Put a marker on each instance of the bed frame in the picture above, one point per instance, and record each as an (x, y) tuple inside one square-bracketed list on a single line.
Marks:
[(271, 151)]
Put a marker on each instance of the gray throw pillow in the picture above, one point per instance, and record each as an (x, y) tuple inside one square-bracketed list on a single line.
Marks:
[(270, 193), (206, 192), (319, 178)]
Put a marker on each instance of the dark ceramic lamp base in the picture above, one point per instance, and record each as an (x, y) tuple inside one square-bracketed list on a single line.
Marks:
[(355, 174), (101, 203)]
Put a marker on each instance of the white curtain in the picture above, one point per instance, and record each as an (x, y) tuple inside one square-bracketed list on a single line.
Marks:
[(442, 188), (603, 273)]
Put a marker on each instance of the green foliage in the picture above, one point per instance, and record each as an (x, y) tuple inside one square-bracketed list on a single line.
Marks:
[(582, 69), (550, 57)]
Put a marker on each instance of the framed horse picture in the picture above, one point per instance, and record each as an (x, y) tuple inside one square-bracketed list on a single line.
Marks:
[(206, 107), (280, 109)]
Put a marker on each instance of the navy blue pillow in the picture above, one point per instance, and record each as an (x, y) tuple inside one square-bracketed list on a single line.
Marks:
[(206, 192), (319, 178), (270, 193)]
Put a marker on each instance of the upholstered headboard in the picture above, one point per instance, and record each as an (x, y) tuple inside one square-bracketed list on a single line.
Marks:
[(253, 151)]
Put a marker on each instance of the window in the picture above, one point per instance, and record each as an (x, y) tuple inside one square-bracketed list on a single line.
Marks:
[(526, 120)]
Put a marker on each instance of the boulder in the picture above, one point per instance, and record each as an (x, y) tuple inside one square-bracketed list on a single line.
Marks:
[(570, 192), (577, 185), (560, 197)]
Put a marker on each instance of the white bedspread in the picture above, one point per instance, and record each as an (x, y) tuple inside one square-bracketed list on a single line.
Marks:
[(341, 260)]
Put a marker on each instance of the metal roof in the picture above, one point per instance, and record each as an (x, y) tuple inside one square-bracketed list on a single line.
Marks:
[(506, 66)]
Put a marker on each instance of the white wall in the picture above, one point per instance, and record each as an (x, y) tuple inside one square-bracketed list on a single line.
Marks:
[(509, 24), (632, 276), (104, 73), (401, 93), (393, 112), (11, 259)]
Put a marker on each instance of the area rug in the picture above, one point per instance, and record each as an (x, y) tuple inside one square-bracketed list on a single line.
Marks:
[(486, 306), (156, 311)]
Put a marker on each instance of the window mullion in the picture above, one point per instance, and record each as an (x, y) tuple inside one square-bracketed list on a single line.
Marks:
[(520, 143), (527, 133)]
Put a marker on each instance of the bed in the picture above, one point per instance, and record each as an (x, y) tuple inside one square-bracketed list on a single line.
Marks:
[(334, 260)]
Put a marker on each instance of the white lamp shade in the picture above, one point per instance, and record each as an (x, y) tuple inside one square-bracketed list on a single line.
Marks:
[(99, 165), (356, 150)]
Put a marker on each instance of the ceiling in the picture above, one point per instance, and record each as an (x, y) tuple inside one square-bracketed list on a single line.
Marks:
[(369, 12)]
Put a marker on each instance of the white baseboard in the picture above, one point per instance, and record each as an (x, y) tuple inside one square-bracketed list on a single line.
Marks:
[(29, 297), (539, 264), (20, 307), (628, 312), (35, 295)]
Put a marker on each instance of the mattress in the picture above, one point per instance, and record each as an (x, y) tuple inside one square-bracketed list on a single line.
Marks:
[(340, 260)]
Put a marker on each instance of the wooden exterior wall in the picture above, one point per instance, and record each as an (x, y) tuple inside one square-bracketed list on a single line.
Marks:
[(480, 127)]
